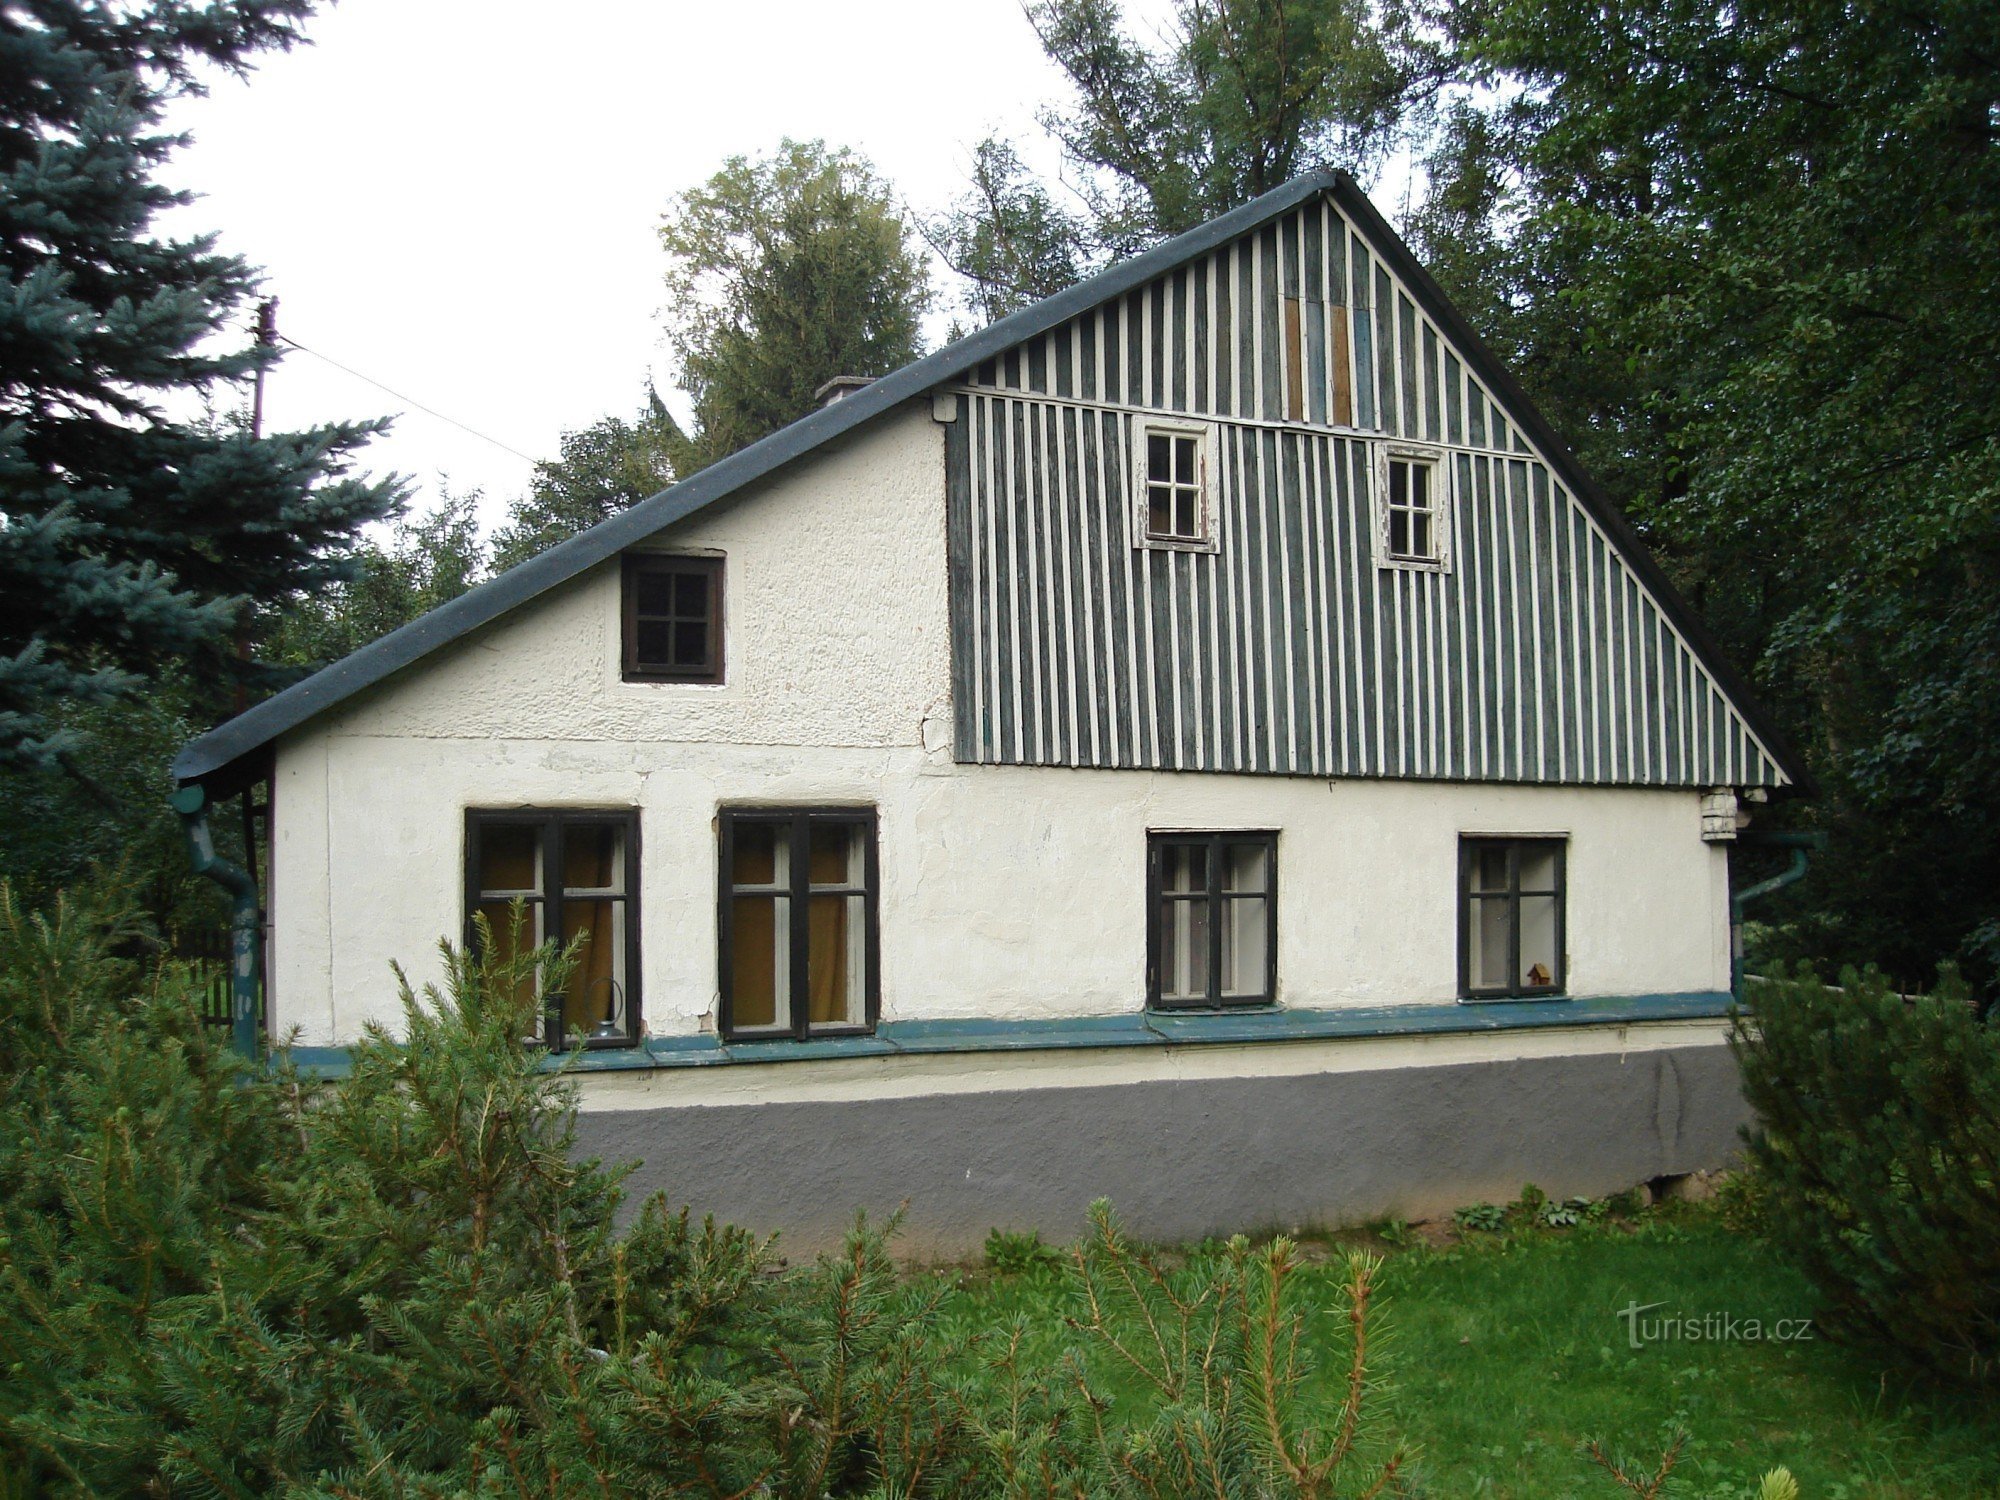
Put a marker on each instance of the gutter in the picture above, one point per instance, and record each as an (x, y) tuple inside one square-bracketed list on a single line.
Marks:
[(1801, 845), (191, 802)]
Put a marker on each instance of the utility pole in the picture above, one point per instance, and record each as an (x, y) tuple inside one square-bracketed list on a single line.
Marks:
[(267, 335)]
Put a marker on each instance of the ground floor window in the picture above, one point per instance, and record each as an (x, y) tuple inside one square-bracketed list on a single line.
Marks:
[(1211, 905), (798, 953), (1511, 937), (576, 877)]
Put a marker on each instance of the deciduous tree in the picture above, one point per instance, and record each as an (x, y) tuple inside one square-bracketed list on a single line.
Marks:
[(784, 271)]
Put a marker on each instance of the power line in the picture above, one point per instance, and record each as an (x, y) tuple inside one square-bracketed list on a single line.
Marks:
[(406, 400)]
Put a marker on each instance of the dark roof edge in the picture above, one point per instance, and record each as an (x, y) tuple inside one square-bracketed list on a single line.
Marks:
[(223, 747), (1741, 695), (229, 742)]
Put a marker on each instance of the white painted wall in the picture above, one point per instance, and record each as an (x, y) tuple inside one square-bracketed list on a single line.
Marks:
[(1006, 892)]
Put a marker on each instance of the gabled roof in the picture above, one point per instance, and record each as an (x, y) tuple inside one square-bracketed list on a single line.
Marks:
[(231, 749)]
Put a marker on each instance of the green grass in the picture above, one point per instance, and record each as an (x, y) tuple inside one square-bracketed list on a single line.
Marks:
[(1506, 1350)]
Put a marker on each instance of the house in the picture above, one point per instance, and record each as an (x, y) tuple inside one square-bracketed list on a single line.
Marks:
[(1200, 740)]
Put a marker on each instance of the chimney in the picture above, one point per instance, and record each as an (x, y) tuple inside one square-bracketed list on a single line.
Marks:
[(839, 386)]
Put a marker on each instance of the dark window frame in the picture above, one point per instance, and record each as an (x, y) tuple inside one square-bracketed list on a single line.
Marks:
[(1156, 845), (799, 821), (638, 564), (550, 823), (1469, 846)]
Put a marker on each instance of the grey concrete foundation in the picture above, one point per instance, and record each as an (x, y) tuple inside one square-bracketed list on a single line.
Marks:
[(1180, 1160)]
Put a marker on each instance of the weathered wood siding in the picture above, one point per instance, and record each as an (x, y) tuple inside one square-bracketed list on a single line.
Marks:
[(1537, 655)]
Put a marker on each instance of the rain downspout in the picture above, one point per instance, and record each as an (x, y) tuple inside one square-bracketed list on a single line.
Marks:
[(1801, 845), (191, 802)]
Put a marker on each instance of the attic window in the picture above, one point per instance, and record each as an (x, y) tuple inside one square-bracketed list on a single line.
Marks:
[(1174, 486), (1413, 488), (673, 619)]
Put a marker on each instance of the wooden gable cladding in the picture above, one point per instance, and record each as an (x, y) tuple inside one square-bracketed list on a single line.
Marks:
[(1300, 321), (1537, 653)]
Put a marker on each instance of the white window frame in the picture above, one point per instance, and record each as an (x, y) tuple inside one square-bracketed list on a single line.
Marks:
[(1208, 497), (1440, 465)]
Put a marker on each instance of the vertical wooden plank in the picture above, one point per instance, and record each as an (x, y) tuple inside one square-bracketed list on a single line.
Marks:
[(1045, 659), (1384, 303), (1343, 379), (1284, 497), (1076, 659), (1463, 660), (1202, 348), (1174, 341), (1295, 361), (959, 572), (1433, 382), (1361, 324), (1481, 565), (1409, 367), (1237, 551), (1122, 681), (1216, 292)]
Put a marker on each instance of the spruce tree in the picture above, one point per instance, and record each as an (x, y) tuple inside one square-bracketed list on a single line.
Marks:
[(133, 538)]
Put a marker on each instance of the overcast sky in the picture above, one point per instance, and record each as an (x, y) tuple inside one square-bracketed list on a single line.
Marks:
[(459, 199)]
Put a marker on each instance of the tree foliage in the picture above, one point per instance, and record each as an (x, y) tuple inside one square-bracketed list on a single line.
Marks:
[(1229, 99), (1878, 1149), (783, 272), (1745, 257), (402, 1282), (133, 539), (602, 469)]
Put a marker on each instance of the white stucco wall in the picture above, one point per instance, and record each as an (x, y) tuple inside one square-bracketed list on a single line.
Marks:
[(1005, 892)]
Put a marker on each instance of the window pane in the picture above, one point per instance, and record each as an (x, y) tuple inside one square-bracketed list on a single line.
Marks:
[(1399, 482), (653, 592), (762, 855), (594, 1000), (1540, 963), (1185, 522), (1184, 949), (835, 953), (1420, 486), (1399, 533), (1489, 867), (837, 854), (1159, 457), (691, 595), (1184, 454), (1538, 867), (1159, 510), (510, 858), (760, 977), (1184, 867), (691, 644), (1420, 534), (1246, 938), (1243, 867), (654, 643), (593, 857), (1487, 943)]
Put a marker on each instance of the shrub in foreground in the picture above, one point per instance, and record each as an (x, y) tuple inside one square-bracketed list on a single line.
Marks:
[(1878, 1147)]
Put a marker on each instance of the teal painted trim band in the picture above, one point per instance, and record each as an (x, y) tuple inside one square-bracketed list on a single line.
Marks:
[(1146, 1029)]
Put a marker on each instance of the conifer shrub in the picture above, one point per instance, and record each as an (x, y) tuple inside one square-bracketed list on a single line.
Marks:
[(1877, 1153), (221, 1279)]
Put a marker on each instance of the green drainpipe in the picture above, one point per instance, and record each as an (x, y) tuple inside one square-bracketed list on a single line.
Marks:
[(1801, 844), (191, 802)]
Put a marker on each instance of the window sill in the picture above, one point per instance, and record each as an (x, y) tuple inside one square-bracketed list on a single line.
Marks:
[(1153, 1028)]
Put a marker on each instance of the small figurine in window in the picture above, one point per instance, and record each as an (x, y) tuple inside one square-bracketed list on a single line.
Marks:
[(1539, 975)]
